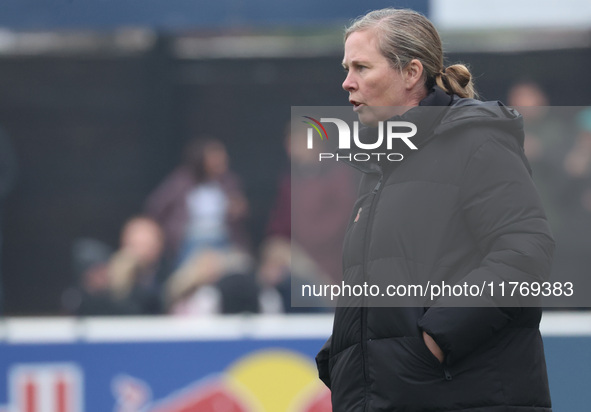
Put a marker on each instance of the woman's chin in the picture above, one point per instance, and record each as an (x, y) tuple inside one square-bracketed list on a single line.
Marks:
[(367, 117), (371, 116)]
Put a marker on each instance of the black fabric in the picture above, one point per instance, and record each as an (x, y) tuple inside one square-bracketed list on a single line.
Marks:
[(462, 207)]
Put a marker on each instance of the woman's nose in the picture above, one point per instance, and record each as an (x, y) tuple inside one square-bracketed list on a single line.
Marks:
[(349, 84)]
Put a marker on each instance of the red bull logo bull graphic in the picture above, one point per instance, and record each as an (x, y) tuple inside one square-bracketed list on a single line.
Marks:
[(45, 388), (265, 381), (131, 394)]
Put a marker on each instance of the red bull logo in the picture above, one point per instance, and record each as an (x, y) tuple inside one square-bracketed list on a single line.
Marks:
[(45, 388), (266, 381)]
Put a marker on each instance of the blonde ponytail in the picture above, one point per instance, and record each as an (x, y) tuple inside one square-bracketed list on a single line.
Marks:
[(456, 79)]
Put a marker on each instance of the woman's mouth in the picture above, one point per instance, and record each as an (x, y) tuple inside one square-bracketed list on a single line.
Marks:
[(356, 104)]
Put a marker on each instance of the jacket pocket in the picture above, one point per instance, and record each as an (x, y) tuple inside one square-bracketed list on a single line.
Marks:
[(405, 373), (424, 353), (406, 359), (347, 381), (322, 360)]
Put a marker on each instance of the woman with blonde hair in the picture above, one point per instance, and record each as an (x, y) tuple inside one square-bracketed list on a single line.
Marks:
[(462, 209)]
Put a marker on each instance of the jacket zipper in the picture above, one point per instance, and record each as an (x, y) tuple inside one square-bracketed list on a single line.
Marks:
[(446, 373), (375, 193)]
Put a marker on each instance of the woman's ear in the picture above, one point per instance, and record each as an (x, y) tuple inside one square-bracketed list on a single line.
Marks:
[(413, 74)]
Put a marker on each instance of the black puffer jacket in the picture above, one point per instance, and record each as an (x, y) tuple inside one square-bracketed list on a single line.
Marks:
[(462, 207)]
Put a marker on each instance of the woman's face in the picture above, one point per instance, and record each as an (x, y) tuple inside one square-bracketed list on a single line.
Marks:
[(374, 86), (215, 161)]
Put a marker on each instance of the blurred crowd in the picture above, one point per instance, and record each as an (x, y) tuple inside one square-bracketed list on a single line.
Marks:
[(189, 251), (558, 147)]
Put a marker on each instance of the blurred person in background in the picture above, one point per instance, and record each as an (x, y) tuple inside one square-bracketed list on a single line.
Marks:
[(90, 295), (559, 157), (201, 205), (547, 138), (8, 166), (313, 205), (138, 270), (128, 281), (461, 208), (213, 282), (574, 197), (226, 281), (276, 276), (533, 103)]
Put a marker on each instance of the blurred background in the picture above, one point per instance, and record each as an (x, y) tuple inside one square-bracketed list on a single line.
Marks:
[(99, 99), (122, 123)]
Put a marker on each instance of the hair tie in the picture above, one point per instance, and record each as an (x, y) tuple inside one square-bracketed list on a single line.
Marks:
[(443, 71)]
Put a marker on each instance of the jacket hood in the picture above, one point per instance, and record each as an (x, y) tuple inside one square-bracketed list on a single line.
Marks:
[(470, 112)]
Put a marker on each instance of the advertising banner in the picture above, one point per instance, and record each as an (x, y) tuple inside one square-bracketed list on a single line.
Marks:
[(221, 364)]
